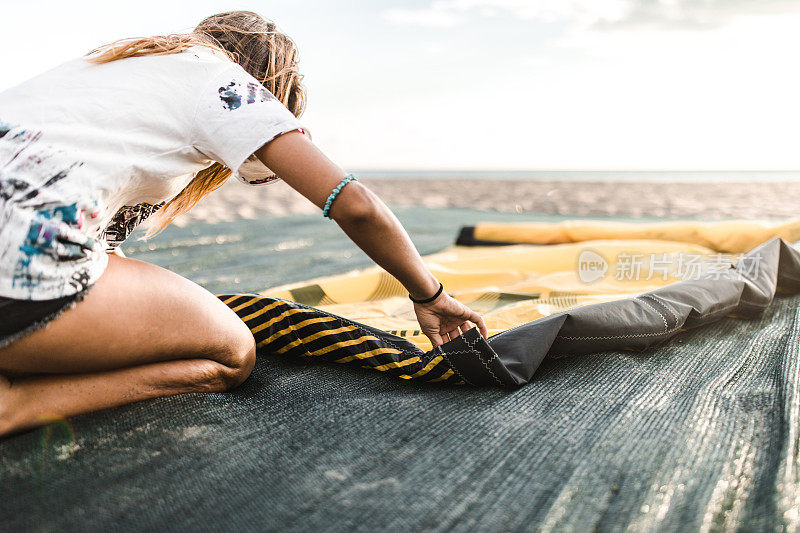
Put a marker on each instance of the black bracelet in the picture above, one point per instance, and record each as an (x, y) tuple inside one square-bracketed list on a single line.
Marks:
[(428, 300)]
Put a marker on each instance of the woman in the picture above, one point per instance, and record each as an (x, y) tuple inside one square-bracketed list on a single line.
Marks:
[(90, 149)]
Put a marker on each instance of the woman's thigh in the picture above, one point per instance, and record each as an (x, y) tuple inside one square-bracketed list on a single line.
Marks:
[(136, 313)]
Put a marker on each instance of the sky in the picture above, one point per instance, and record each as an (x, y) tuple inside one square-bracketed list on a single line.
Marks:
[(498, 84)]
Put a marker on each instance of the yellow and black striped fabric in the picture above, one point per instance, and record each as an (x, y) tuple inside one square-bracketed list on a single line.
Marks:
[(286, 328)]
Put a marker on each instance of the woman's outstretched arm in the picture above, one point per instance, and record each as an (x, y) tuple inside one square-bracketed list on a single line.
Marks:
[(372, 226)]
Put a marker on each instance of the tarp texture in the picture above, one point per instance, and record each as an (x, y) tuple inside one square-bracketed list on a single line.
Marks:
[(699, 433), (612, 286)]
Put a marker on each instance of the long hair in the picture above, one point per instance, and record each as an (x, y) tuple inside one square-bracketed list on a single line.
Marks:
[(246, 38)]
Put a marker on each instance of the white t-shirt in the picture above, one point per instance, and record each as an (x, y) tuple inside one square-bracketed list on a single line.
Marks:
[(88, 151)]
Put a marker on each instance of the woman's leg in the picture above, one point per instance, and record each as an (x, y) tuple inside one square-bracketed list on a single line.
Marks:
[(142, 332)]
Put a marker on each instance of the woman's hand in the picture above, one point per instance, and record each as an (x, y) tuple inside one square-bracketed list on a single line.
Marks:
[(441, 319)]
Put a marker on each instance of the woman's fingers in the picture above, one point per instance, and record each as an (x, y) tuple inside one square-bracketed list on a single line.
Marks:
[(478, 321), (466, 318), (435, 338)]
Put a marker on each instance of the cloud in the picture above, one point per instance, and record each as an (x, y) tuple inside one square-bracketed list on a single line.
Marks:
[(686, 14)]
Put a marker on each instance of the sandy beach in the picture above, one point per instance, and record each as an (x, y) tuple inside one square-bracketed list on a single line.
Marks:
[(669, 200)]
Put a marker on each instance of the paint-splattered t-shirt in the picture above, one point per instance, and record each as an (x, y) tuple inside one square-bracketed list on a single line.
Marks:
[(88, 151)]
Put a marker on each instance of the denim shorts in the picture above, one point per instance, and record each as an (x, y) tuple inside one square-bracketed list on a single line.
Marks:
[(19, 318)]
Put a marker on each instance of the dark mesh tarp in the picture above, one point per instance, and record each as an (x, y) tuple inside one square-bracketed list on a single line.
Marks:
[(699, 433)]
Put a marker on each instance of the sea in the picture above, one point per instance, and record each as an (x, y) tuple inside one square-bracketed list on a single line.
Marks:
[(624, 176)]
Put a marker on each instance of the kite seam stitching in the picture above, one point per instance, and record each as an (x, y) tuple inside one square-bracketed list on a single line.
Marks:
[(608, 337), (452, 366), (666, 331), (663, 318), (479, 359), (667, 307), (483, 361), (486, 364)]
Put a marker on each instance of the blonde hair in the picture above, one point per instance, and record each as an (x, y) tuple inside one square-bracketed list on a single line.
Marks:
[(245, 38)]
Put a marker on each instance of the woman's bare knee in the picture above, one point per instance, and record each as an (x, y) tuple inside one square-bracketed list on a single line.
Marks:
[(203, 375), (240, 365), (236, 353), (209, 375)]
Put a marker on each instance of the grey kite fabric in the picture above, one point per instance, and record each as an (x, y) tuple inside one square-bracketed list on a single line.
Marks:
[(636, 323)]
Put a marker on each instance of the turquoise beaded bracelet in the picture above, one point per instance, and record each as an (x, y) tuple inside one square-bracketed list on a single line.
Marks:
[(326, 211)]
